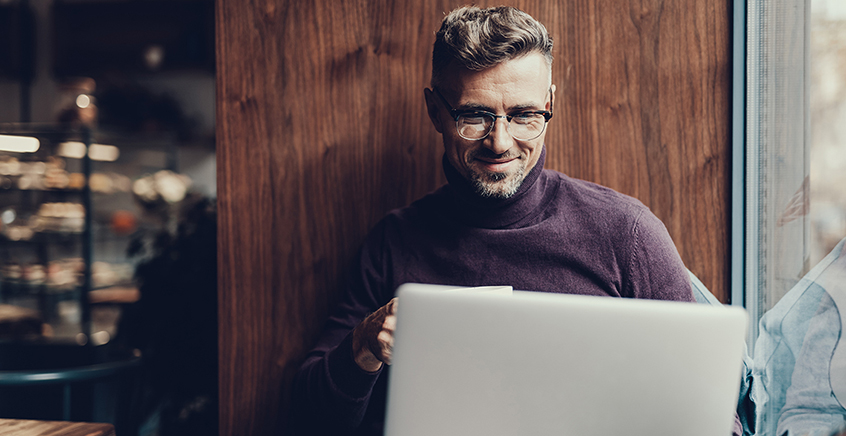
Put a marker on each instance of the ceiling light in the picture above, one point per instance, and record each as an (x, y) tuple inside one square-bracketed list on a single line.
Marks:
[(19, 144)]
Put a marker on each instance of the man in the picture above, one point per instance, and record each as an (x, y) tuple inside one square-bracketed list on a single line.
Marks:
[(501, 220)]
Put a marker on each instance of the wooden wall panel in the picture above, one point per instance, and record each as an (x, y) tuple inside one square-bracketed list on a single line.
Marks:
[(645, 109), (322, 129)]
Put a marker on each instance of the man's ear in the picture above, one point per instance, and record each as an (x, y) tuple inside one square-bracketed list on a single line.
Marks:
[(433, 109), (551, 98)]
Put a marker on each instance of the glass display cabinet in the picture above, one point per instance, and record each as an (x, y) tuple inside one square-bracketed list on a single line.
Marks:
[(72, 205), (46, 226), (68, 215)]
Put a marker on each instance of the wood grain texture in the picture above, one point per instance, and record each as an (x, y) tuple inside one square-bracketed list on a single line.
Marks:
[(644, 108), (20, 427), (322, 129)]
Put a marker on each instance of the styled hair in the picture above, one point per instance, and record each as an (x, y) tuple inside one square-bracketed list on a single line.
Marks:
[(482, 38)]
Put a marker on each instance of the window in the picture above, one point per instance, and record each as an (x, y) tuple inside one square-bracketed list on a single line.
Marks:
[(793, 227)]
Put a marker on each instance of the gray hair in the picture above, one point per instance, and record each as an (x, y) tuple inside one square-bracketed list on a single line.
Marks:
[(482, 38)]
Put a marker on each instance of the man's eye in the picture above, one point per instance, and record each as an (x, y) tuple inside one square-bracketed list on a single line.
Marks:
[(474, 119), (525, 117)]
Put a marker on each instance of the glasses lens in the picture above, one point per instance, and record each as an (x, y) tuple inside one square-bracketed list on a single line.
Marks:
[(474, 126), (527, 126), (523, 127)]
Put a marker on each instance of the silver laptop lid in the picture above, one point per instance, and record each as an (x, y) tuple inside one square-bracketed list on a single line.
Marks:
[(553, 364)]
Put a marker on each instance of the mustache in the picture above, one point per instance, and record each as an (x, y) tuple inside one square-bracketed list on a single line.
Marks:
[(486, 153)]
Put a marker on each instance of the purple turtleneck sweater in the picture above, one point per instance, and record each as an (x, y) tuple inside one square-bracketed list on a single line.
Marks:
[(556, 234)]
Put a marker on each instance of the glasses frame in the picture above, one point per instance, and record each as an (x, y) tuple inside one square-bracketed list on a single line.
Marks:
[(457, 113)]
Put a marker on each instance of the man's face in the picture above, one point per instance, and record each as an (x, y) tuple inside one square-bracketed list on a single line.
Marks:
[(498, 163)]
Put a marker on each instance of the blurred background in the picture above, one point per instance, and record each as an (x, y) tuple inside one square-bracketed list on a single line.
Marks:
[(828, 131), (107, 214)]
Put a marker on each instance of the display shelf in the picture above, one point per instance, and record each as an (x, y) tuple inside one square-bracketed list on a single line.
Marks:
[(25, 288), (14, 189), (43, 237), (114, 295), (63, 223)]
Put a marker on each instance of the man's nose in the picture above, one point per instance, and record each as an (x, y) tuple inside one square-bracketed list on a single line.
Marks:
[(499, 140)]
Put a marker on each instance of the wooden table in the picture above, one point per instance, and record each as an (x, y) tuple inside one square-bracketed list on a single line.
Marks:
[(19, 427)]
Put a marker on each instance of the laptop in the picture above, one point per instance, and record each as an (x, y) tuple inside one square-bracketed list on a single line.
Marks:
[(528, 363)]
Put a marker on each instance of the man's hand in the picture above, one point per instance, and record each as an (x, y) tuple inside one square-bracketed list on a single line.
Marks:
[(373, 339)]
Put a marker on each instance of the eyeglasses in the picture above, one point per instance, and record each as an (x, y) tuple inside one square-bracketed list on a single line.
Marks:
[(475, 125)]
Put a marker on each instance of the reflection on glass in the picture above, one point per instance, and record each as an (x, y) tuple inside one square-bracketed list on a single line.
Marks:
[(800, 361), (828, 126), (801, 372)]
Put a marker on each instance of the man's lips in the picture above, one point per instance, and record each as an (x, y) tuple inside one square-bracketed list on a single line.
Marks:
[(495, 165)]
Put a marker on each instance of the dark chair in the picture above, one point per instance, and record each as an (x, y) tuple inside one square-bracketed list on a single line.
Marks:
[(69, 383)]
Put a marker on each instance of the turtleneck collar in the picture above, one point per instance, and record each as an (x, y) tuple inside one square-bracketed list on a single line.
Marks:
[(476, 211)]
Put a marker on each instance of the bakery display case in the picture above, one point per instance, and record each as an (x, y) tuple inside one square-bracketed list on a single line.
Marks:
[(72, 203), (107, 269)]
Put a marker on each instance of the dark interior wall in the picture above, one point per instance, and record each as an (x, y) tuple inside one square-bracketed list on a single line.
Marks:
[(322, 129)]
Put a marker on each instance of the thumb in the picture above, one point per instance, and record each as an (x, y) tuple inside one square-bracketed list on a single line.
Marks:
[(392, 306)]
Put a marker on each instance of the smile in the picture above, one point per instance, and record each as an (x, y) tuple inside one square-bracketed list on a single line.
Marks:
[(495, 165)]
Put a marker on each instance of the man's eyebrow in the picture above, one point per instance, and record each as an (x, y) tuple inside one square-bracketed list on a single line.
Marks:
[(526, 107), (475, 107), (480, 107)]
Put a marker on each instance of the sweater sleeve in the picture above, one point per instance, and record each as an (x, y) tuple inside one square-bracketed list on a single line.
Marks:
[(330, 392), (654, 269)]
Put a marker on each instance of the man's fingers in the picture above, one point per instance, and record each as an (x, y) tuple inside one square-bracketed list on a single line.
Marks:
[(386, 342), (390, 323), (386, 339), (373, 339), (381, 325), (386, 336)]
